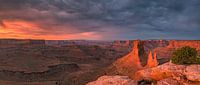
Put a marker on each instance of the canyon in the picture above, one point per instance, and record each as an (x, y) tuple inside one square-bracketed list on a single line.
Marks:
[(129, 70), (77, 62)]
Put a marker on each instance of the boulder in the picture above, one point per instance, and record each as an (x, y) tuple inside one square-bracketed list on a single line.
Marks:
[(113, 80), (160, 72), (171, 74), (192, 72), (173, 81), (168, 81)]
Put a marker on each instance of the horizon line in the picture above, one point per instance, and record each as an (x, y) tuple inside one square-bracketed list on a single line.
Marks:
[(87, 39)]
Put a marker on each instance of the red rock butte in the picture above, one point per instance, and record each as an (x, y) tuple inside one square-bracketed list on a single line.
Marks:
[(131, 63)]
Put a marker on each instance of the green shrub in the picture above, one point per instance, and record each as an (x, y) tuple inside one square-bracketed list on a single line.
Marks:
[(185, 55)]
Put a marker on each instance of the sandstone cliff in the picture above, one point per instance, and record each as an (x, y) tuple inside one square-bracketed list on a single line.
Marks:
[(166, 51), (134, 61), (130, 63), (180, 43)]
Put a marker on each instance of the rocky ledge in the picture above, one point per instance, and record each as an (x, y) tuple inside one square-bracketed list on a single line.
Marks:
[(171, 74), (166, 74), (113, 80)]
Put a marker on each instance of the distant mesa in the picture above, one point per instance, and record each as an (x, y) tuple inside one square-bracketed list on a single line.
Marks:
[(123, 43), (21, 42)]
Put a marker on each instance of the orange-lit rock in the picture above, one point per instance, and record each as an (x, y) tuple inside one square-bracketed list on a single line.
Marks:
[(155, 61), (130, 63), (113, 80), (166, 51), (177, 74), (193, 72), (168, 81), (173, 81), (160, 72), (152, 60), (181, 43)]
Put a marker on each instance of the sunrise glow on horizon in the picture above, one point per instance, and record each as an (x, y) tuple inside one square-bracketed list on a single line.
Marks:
[(26, 30), (99, 19)]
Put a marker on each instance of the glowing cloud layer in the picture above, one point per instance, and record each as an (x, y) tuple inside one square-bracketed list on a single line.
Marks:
[(100, 19), (27, 30)]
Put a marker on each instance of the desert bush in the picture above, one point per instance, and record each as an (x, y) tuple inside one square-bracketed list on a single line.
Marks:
[(185, 55)]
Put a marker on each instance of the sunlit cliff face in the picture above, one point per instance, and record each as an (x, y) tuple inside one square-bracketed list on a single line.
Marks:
[(29, 30)]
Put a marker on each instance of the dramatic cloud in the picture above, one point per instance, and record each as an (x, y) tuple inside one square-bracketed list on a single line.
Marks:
[(100, 19)]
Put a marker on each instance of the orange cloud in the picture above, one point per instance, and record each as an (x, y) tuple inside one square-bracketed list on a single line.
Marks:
[(28, 30)]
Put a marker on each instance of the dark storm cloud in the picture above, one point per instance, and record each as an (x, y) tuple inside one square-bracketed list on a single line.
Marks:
[(116, 19)]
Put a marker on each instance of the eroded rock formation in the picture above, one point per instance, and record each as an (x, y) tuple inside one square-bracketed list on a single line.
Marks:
[(152, 60), (130, 63), (155, 61), (134, 61)]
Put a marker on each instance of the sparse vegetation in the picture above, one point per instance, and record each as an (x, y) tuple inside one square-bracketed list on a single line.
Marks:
[(185, 55)]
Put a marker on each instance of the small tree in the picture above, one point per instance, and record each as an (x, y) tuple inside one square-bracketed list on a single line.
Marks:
[(185, 55)]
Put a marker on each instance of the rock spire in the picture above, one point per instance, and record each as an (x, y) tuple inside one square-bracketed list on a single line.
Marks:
[(152, 60), (131, 63)]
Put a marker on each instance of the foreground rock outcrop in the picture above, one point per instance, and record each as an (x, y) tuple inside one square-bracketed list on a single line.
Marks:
[(168, 81), (113, 80), (160, 72), (166, 74), (172, 74), (193, 72)]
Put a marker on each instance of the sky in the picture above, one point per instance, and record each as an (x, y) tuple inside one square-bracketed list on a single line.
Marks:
[(100, 19)]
